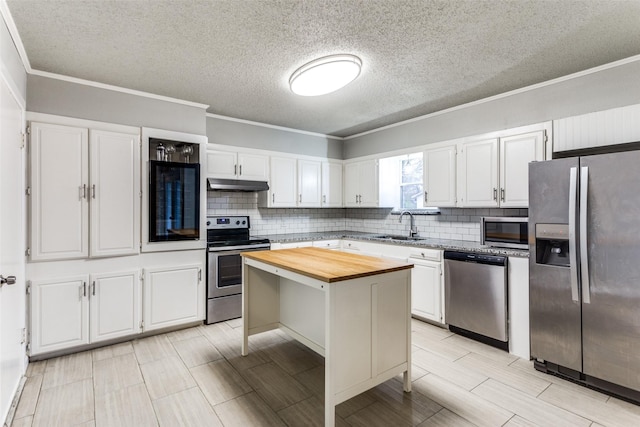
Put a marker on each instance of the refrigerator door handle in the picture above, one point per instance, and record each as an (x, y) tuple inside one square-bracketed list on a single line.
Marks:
[(584, 254), (573, 259)]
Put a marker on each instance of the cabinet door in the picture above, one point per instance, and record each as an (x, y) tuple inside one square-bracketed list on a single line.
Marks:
[(426, 290), (478, 168), (515, 154), (114, 193), (351, 184), (172, 296), (59, 180), (253, 167), (369, 183), (309, 181), (331, 185), (115, 305), (222, 164), (59, 314), (282, 191), (439, 166)]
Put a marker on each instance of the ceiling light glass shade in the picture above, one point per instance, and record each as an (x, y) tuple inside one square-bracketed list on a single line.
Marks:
[(325, 75)]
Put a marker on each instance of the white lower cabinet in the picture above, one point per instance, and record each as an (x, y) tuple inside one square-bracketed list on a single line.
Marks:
[(59, 313), (73, 311), (427, 284), (114, 305), (173, 296)]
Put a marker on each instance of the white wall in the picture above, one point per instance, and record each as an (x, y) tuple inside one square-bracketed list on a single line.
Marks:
[(607, 88), (239, 134)]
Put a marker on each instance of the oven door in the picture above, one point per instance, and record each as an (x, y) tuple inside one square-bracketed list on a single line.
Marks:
[(224, 271)]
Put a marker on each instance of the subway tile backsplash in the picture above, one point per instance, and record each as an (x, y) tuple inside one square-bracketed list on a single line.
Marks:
[(452, 223)]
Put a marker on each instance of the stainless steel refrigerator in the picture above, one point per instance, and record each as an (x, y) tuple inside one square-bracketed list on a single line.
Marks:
[(584, 277)]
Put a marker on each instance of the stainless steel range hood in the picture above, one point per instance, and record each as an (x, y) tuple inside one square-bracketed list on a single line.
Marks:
[(220, 184)]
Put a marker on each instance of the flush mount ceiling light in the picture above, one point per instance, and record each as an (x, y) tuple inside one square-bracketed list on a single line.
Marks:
[(325, 75)]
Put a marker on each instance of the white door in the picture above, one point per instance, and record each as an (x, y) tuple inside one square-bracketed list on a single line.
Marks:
[(516, 152), (331, 185), (426, 290), (439, 167), (369, 183), (253, 167), (309, 183), (12, 232), (478, 167), (222, 164), (283, 182), (172, 296), (114, 193), (59, 313), (115, 305), (59, 191)]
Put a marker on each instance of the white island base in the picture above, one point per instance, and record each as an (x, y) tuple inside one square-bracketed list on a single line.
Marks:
[(360, 325)]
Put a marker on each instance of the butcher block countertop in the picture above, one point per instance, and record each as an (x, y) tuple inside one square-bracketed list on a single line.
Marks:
[(327, 265)]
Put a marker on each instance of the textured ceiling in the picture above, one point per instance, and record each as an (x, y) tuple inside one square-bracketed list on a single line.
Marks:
[(237, 55)]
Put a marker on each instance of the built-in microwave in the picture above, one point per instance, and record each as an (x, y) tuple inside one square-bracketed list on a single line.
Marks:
[(505, 232)]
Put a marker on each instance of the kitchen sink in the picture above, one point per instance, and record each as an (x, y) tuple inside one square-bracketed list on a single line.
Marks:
[(398, 237)]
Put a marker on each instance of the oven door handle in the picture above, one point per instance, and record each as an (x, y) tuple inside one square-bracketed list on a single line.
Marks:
[(229, 250)]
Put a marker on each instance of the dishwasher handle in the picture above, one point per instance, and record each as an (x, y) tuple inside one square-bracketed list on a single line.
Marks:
[(498, 260)]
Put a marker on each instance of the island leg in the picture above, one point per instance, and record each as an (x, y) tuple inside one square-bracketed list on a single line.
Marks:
[(245, 309)]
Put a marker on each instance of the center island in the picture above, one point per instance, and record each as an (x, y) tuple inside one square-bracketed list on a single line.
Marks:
[(354, 310)]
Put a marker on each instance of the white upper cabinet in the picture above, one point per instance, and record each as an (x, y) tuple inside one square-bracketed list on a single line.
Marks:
[(74, 184), (332, 184), (59, 179), (601, 128), (439, 166), (361, 184), (516, 152), (494, 172), (478, 173), (114, 193), (283, 183), (237, 165), (309, 183)]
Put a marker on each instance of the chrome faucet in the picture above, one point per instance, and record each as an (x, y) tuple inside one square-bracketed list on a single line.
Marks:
[(413, 231)]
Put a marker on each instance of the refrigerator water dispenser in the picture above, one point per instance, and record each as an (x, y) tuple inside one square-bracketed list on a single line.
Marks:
[(552, 244)]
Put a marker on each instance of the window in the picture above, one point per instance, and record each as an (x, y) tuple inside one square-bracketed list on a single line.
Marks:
[(401, 181)]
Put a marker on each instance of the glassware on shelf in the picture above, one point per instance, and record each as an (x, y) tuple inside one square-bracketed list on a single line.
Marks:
[(187, 151)]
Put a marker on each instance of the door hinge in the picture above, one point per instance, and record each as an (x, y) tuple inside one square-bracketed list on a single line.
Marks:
[(27, 252), (199, 275), (23, 140), (545, 137), (29, 130), (23, 336), (28, 191), (141, 325), (28, 287), (141, 194), (29, 348)]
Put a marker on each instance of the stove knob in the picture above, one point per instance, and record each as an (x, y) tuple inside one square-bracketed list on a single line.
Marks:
[(208, 222), (244, 222), (237, 222)]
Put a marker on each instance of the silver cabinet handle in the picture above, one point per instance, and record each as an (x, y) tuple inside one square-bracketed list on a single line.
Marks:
[(356, 198), (324, 198), (573, 259), (235, 169), (83, 191), (84, 289), (584, 249), (9, 280), (93, 288), (425, 196), (360, 198), (93, 191), (502, 194), (240, 170), (273, 197), (495, 194), (300, 198)]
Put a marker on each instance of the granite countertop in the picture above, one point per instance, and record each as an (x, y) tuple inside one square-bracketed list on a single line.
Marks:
[(456, 245)]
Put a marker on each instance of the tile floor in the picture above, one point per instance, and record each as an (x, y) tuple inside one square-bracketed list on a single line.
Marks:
[(196, 377)]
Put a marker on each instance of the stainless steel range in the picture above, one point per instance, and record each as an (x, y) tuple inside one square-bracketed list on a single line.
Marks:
[(227, 237)]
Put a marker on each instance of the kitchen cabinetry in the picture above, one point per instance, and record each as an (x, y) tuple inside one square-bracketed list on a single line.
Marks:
[(361, 184), (494, 172), (439, 166), (332, 184), (427, 284), (597, 129), (173, 296), (237, 165), (327, 244), (82, 177), (83, 309), (309, 183)]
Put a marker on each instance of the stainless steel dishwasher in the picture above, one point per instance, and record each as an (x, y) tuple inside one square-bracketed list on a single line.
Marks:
[(475, 296)]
